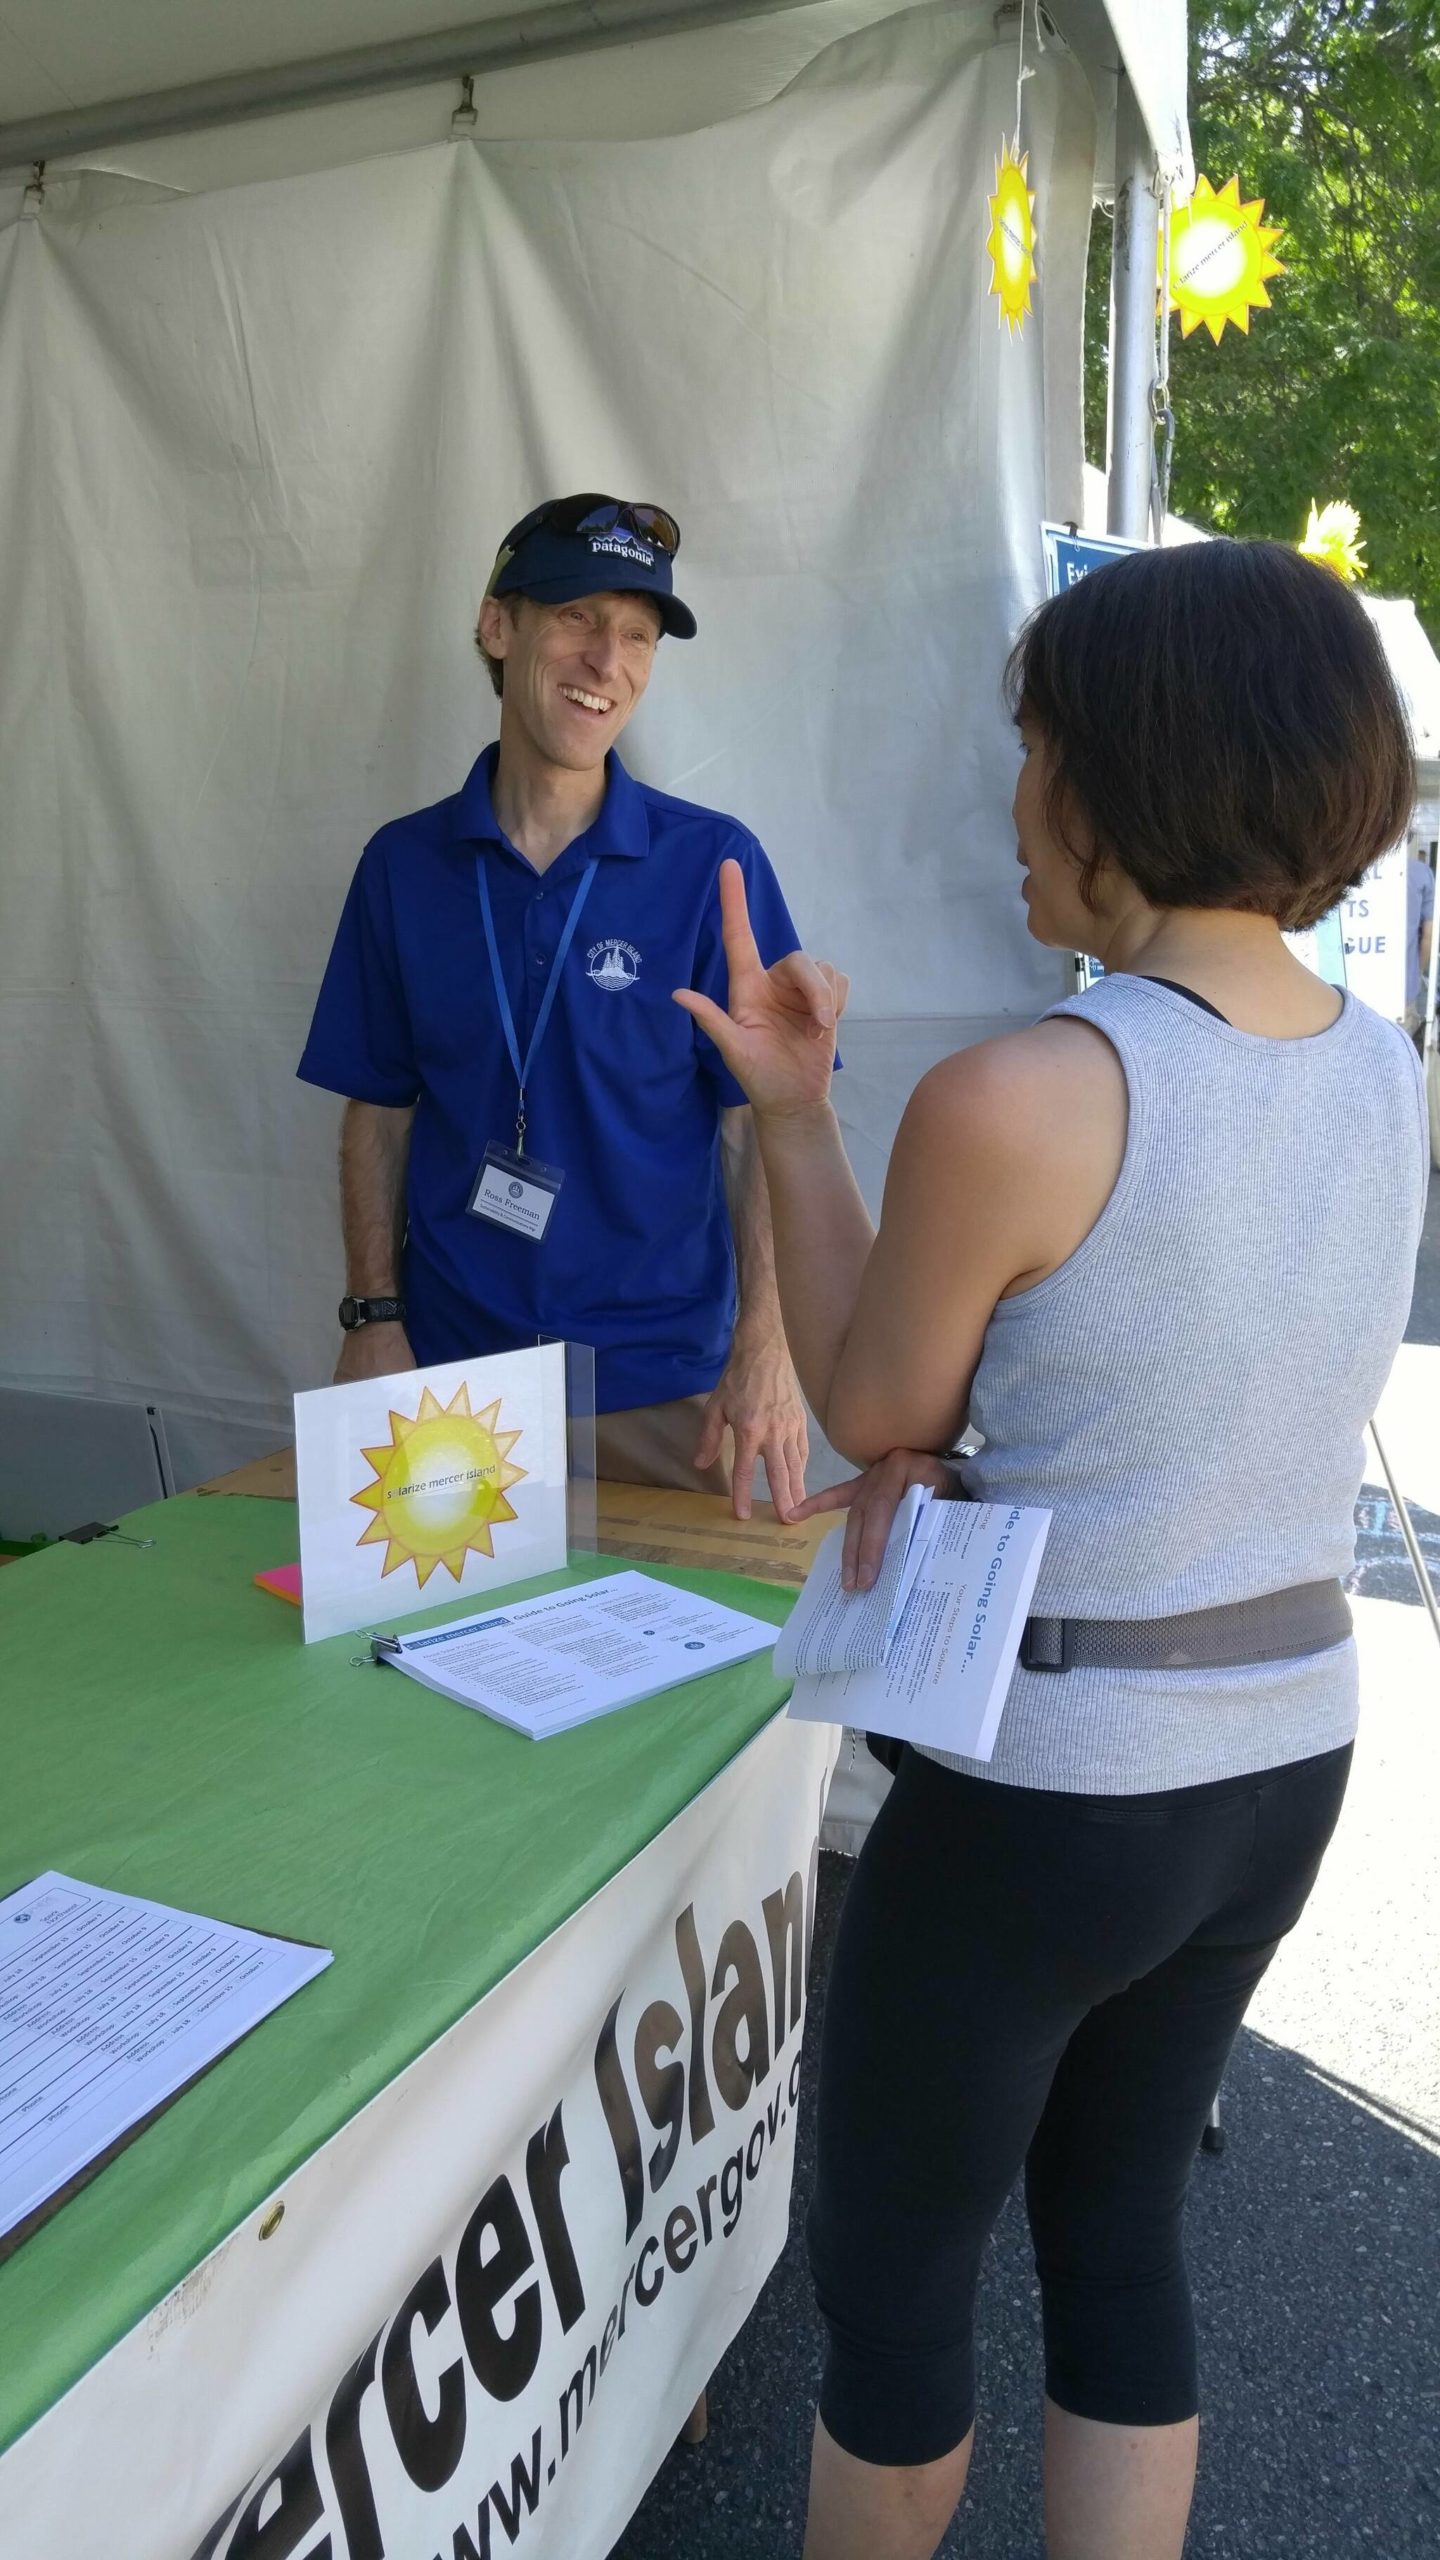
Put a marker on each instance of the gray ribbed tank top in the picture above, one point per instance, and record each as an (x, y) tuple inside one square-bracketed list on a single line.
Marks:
[(1188, 1394)]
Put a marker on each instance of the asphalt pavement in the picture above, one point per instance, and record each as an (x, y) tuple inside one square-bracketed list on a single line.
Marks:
[(1314, 2239)]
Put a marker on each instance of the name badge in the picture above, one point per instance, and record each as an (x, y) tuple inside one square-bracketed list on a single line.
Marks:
[(515, 1191)]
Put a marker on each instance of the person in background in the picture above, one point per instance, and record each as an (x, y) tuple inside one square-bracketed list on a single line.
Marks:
[(1419, 926), (1159, 1249), (534, 1142)]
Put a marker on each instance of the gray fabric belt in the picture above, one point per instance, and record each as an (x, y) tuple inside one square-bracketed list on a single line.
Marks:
[(1310, 1618)]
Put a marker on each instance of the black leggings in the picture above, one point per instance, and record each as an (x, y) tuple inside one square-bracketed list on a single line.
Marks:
[(1053, 1980)]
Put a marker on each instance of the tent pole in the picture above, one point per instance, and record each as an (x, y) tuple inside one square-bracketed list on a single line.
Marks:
[(1132, 322)]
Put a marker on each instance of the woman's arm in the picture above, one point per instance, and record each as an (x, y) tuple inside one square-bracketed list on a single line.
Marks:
[(1006, 1154), (886, 1334)]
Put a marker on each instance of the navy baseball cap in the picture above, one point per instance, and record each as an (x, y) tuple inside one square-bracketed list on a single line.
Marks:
[(594, 545)]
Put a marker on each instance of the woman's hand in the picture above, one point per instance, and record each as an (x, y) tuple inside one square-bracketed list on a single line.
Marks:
[(778, 1037), (872, 1501)]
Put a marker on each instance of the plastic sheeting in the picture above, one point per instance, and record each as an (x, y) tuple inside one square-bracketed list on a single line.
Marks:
[(256, 449)]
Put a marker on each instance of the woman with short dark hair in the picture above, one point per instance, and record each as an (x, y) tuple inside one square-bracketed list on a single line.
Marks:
[(1158, 1249)]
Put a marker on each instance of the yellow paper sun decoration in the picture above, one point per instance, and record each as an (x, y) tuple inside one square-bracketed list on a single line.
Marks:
[(440, 1485), (1332, 536), (1011, 241), (1219, 259)]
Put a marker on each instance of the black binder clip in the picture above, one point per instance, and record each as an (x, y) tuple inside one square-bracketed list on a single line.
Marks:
[(90, 1530)]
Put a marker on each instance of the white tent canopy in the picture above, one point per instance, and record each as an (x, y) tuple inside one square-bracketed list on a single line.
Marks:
[(268, 395), (84, 83), (1416, 670)]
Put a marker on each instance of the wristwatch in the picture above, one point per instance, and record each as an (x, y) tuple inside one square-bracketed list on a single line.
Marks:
[(358, 1311)]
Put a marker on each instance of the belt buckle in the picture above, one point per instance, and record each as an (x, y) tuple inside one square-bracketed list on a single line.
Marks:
[(1031, 1661)]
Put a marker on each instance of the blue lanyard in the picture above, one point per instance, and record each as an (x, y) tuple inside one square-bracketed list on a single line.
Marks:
[(522, 1066)]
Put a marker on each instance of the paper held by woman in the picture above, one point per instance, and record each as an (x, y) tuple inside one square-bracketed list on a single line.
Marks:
[(927, 1654)]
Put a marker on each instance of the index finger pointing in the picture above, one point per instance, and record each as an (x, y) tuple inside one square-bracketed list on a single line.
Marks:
[(742, 952)]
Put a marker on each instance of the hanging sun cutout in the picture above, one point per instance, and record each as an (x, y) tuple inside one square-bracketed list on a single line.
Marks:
[(440, 1485), (1332, 536), (1219, 259), (1011, 242)]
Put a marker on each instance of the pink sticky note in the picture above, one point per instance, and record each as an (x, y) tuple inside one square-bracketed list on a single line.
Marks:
[(284, 1581)]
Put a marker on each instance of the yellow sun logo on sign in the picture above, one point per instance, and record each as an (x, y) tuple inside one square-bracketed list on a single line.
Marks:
[(440, 1485), (1219, 259), (1011, 241)]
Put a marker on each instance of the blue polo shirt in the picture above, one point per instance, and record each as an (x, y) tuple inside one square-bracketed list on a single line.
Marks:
[(624, 1096)]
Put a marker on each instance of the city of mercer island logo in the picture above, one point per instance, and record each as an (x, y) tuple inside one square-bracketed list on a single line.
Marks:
[(612, 964)]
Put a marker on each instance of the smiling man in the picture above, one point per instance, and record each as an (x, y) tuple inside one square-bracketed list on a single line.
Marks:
[(536, 1141)]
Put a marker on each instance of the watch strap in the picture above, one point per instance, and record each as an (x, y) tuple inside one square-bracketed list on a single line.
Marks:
[(358, 1311)]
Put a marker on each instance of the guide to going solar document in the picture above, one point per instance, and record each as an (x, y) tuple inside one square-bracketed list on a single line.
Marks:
[(927, 1654), (545, 1664)]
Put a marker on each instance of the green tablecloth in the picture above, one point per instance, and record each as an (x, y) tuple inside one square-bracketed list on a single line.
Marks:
[(166, 1733)]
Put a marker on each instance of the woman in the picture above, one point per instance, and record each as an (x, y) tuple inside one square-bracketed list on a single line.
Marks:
[(1159, 1250)]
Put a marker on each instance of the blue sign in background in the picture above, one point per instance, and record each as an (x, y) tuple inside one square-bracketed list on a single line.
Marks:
[(1071, 555)]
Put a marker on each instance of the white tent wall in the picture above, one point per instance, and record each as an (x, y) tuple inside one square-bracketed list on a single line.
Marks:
[(256, 448)]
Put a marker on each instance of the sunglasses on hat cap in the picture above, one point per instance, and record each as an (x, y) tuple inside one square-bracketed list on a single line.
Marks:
[(591, 512), (595, 513)]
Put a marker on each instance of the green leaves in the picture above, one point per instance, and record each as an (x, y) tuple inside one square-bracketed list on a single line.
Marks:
[(1330, 110)]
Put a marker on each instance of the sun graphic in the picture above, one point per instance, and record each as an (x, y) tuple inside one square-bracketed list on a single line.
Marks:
[(1219, 259), (440, 1485), (1011, 241), (1332, 536)]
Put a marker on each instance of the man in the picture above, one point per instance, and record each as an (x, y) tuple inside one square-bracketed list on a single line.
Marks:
[(536, 1140), (1419, 925)]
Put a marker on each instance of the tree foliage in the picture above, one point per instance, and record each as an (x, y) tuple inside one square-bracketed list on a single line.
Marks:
[(1330, 110)]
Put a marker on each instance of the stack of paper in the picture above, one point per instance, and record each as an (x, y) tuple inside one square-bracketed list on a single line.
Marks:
[(108, 2005), (545, 1664), (927, 1654)]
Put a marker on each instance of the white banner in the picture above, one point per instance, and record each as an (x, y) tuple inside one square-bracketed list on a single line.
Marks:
[(492, 2299), (1374, 921)]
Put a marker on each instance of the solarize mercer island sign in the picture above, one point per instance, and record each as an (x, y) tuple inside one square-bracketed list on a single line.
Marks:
[(458, 1475)]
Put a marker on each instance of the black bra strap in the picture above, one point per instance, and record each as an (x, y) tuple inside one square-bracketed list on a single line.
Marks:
[(1191, 997)]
